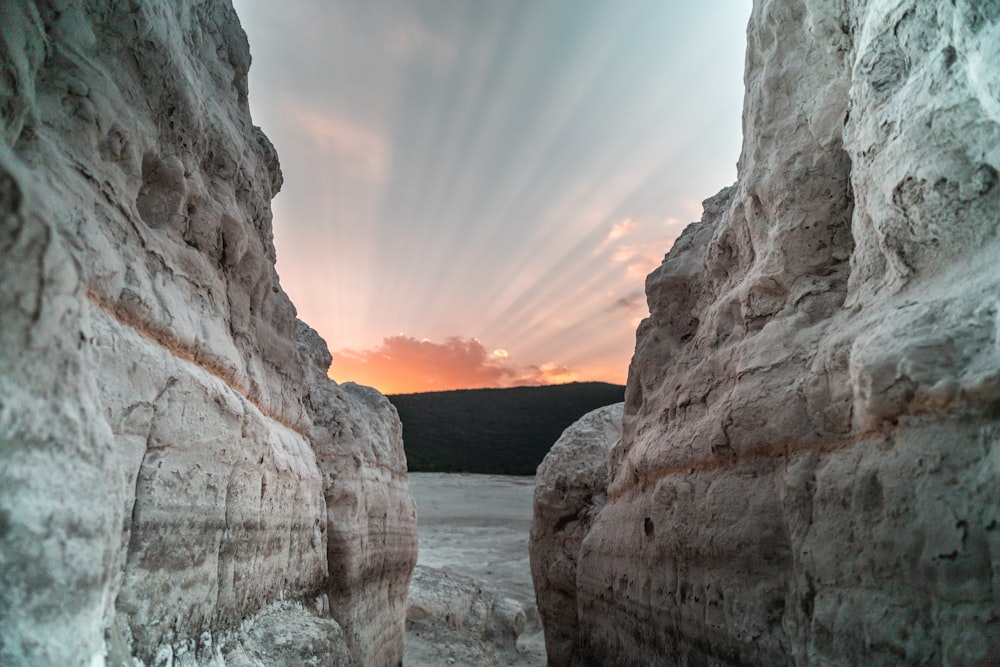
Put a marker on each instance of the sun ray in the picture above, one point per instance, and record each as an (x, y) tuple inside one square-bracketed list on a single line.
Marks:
[(456, 169)]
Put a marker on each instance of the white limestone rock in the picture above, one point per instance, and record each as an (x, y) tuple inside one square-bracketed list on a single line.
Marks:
[(291, 636), (570, 489), (809, 464), (228, 507), (371, 524), (159, 484), (454, 619), (283, 633)]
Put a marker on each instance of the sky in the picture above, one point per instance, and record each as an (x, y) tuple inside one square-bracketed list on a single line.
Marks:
[(475, 190)]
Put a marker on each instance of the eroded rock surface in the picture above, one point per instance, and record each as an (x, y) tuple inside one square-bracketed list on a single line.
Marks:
[(371, 525), (570, 489), (283, 633), (454, 619), (160, 483), (810, 464)]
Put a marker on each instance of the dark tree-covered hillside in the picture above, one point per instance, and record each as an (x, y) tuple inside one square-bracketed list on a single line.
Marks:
[(495, 431)]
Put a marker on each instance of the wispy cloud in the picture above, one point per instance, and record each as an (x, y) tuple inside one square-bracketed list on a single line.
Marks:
[(409, 37), (349, 139), (621, 229), (639, 259), (404, 364), (547, 374), (631, 301), (616, 233)]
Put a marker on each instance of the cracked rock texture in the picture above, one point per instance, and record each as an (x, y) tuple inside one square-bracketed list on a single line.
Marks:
[(171, 451), (809, 471), (570, 489)]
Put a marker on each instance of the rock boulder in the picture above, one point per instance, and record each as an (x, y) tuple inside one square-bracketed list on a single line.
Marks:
[(454, 619), (570, 489)]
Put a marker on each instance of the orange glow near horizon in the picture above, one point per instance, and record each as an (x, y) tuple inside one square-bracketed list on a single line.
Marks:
[(406, 365), (511, 171), (555, 347)]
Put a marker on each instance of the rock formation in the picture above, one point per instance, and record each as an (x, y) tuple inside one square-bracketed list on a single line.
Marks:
[(570, 489), (171, 458), (809, 471), (454, 619), (371, 519)]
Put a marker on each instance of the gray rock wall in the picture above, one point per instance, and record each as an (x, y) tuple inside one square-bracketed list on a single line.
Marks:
[(159, 473), (809, 469)]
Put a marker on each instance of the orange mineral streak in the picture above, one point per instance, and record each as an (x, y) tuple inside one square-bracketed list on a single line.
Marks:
[(879, 434), (188, 352), (642, 481)]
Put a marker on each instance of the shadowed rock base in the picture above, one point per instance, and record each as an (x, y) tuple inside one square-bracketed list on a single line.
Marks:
[(453, 619)]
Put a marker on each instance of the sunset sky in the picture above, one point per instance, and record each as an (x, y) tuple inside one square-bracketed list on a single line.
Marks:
[(475, 190)]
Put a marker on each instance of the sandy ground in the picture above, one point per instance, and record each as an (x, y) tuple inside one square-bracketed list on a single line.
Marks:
[(478, 525)]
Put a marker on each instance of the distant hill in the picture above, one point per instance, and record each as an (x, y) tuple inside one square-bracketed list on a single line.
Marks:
[(494, 431)]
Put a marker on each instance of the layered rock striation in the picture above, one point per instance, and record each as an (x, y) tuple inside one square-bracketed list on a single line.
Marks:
[(809, 470), (171, 455)]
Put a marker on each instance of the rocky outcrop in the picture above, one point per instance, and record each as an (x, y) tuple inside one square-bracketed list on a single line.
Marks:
[(454, 619), (283, 633), (371, 528), (808, 471), (570, 489), (288, 635), (160, 483)]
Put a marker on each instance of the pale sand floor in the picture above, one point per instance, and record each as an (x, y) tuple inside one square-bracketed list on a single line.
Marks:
[(478, 525)]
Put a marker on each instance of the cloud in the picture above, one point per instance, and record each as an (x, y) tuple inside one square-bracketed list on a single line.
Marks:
[(410, 37), (617, 232), (547, 374), (349, 140), (403, 364), (621, 229), (639, 259), (629, 302), (639, 255)]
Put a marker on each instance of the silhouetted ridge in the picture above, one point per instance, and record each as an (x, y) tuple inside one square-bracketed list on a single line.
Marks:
[(493, 431)]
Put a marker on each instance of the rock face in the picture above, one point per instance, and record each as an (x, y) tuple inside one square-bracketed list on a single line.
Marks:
[(570, 489), (163, 456), (809, 470)]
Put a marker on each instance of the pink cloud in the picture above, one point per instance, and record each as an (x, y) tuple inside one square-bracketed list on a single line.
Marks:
[(621, 229), (349, 139), (403, 364)]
